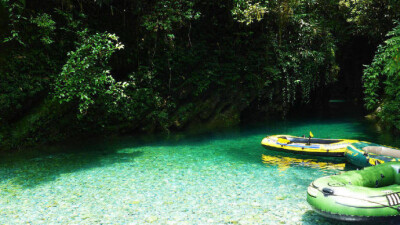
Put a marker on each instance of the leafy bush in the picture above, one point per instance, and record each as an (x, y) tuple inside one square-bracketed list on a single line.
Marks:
[(301, 50), (382, 80), (86, 75), (28, 61)]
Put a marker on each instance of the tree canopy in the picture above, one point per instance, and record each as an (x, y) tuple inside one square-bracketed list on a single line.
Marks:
[(107, 67)]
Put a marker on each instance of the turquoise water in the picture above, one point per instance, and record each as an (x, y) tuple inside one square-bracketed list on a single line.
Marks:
[(221, 177)]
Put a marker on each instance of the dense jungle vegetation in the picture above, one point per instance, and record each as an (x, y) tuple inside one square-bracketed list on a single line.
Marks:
[(72, 68)]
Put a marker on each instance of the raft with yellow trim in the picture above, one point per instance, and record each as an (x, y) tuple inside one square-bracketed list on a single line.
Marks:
[(307, 146), (364, 154)]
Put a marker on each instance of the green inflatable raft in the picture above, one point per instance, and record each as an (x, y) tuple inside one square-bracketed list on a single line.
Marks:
[(360, 195), (364, 154)]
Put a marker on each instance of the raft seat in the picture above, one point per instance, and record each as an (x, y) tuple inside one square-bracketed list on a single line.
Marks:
[(380, 150), (313, 140)]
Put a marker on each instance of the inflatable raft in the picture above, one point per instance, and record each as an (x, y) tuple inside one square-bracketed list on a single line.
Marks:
[(364, 154), (308, 146), (361, 195)]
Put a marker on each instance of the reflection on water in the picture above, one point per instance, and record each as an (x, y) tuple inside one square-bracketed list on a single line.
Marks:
[(285, 163)]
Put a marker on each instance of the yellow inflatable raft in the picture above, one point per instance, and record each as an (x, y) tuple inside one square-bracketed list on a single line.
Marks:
[(307, 146)]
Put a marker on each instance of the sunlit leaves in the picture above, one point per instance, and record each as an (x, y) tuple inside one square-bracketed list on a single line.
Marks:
[(46, 27), (382, 80), (86, 74), (370, 16), (246, 11)]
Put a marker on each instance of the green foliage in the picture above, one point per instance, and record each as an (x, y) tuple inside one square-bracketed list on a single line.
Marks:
[(369, 16), (137, 100), (169, 14), (16, 20), (28, 64), (382, 80), (86, 74), (46, 27), (181, 61), (249, 11), (303, 50)]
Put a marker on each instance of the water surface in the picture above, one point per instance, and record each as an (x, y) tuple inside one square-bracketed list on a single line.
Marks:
[(220, 177)]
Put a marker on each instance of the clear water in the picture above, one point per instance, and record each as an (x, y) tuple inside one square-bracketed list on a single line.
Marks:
[(221, 177)]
